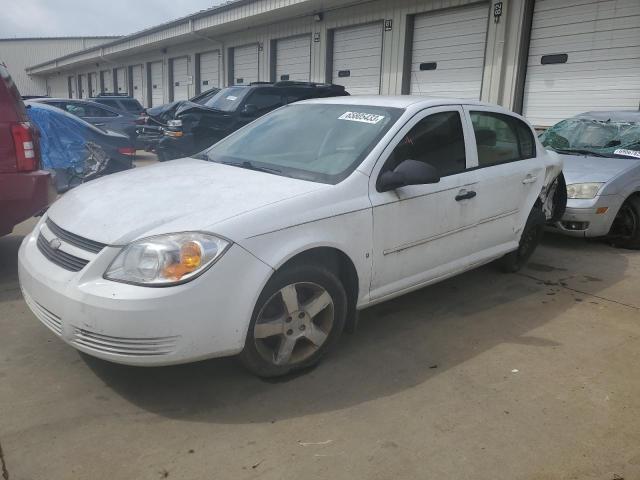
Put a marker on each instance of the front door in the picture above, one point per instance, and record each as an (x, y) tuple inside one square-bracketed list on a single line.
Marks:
[(422, 232)]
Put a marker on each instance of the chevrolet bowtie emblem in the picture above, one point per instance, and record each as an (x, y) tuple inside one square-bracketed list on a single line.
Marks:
[(55, 243)]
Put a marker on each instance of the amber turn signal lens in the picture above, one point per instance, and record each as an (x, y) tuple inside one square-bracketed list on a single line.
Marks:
[(190, 260), (602, 210)]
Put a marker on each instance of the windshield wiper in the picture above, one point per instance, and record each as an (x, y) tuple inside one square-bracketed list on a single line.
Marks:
[(581, 151), (250, 166)]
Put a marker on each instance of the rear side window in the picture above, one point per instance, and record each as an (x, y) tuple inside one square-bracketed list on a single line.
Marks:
[(437, 140), (131, 105), (501, 138), (86, 110), (265, 99)]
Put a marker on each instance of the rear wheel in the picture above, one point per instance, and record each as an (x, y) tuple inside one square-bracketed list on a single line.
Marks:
[(531, 237), (297, 319), (625, 231)]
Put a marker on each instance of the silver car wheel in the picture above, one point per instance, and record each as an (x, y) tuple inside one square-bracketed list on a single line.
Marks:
[(294, 323)]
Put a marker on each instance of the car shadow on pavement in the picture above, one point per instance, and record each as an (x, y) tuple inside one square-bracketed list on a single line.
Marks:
[(399, 344)]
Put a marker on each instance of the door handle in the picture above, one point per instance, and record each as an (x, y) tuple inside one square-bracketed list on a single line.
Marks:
[(529, 179), (464, 195)]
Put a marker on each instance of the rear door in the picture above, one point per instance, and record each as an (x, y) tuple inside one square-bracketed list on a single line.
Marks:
[(509, 177), (357, 58)]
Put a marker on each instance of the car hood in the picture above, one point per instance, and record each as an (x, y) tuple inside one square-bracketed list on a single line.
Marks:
[(182, 195), (175, 110), (584, 169)]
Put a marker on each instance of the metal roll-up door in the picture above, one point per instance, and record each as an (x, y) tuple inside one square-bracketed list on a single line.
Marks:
[(82, 86), (94, 85), (209, 70), (357, 58), (71, 86), (121, 80), (583, 55), (180, 78), (107, 84), (246, 66), (448, 51), (293, 59), (157, 87), (137, 83)]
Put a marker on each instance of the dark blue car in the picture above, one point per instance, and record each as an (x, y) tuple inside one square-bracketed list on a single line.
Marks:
[(76, 151)]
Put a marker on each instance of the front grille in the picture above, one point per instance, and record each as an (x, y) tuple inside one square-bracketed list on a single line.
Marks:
[(60, 258), (122, 345), (75, 240), (51, 320)]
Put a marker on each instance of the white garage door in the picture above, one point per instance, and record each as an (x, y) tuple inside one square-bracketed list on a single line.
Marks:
[(245, 65), (107, 84), (180, 78), (293, 59), (448, 52), (209, 70), (357, 58), (94, 85), (82, 86), (71, 86), (157, 90), (584, 55), (121, 80), (137, 81)]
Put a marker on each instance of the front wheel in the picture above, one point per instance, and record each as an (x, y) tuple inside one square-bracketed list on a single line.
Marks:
[(531, 237), (625, 231), (299, 316)]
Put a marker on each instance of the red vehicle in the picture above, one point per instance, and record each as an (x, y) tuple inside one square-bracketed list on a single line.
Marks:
[(25, 190)]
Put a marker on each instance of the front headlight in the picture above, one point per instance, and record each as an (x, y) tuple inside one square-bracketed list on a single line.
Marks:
[(166, 259), (583, 190), (174, 123)]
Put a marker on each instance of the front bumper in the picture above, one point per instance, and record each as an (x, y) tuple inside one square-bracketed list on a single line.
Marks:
[(581, 218), (143, 326)]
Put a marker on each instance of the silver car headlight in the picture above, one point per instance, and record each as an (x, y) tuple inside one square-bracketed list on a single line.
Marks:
[(174, 123), (166, 260), (583, 190)]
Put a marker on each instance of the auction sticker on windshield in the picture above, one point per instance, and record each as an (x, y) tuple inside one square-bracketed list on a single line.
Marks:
[(361, 117), (629, 153)]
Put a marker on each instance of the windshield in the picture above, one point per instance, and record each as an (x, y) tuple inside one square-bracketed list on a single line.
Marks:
[(597, 137), (228, 99), (317, 142)]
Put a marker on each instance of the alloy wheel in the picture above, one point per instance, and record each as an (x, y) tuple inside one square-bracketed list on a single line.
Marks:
[(294, 323)]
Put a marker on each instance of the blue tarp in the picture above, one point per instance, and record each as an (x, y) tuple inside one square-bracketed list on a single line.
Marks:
[(65, 145)]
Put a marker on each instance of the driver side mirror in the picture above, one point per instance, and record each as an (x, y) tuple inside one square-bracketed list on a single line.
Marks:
[(409, 172), (250, 109)]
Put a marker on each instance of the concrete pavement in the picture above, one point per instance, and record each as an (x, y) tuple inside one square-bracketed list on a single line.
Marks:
[(485, 376)]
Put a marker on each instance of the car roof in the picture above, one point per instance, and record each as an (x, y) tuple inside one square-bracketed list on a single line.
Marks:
[(81, 101), (398, 101), (615, 115)]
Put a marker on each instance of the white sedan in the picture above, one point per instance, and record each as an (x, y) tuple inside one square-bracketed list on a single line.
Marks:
[(268, 243)]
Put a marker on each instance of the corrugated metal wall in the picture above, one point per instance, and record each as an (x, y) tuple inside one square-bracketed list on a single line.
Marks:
[(19, 54), (502, 46)]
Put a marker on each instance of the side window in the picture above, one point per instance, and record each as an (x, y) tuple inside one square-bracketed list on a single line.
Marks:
[(91, 111), (265, 100), (438, 140), (501, 138)]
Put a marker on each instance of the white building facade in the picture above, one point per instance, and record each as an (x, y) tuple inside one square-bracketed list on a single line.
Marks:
[(548, 59), (20, 53)]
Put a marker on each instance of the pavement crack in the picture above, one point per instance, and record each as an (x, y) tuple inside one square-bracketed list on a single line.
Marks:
[(575, 290), (3, 465)]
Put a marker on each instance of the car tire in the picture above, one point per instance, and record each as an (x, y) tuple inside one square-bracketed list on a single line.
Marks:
[(290, 330), (162, 156), (625, 231), (531, 236), (559, 199)]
